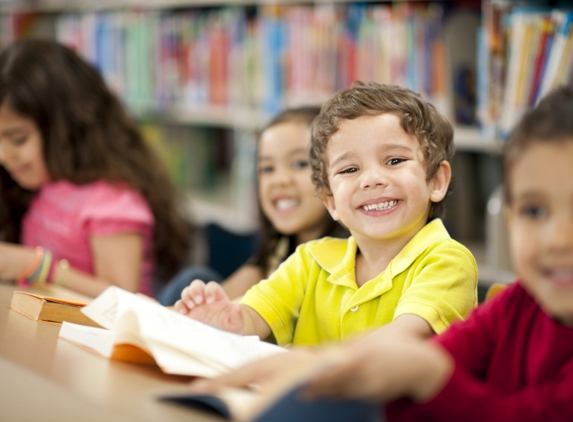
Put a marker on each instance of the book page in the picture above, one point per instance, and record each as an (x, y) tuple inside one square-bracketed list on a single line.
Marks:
[(117, 309), (98, 340)]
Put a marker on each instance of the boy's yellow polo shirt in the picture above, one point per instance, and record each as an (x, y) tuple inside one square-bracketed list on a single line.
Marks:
[(312, 298)]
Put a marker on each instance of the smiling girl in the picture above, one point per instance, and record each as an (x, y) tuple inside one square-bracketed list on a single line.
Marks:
[(84, 203), (291, 211)]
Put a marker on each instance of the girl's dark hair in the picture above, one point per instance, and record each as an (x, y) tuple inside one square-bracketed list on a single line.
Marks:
[(551, 121), (87, 136), (268, 235)]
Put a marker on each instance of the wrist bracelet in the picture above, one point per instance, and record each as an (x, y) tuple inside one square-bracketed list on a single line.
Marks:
[(22, 279), (46, 266), (36, 273)]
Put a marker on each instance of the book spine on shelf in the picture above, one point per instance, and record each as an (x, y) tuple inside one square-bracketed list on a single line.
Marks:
[(524, 52), (280, 55)]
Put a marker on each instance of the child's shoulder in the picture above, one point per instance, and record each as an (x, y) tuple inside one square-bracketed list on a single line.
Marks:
[(329, 252), (97, 190), (434, 238), (327, 242), (513, 296), (100, 198)]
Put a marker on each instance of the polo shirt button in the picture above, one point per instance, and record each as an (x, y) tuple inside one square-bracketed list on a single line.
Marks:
[(354, 309)]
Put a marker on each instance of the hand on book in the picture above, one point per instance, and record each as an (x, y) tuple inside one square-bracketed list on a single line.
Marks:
[(373, 369), (209, 304), (261, 373)]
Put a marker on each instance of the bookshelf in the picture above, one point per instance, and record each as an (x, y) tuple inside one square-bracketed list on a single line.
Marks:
[(255, 57)]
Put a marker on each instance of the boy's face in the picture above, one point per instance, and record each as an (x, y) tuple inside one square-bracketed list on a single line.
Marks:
[(540, 221), (377, 176)]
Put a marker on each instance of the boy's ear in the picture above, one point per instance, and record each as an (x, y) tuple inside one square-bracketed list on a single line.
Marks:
[(328, 201), (440, 182)]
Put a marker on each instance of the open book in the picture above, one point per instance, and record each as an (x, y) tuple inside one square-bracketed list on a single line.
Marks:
[(49, 309), (280, 402), (140, 330)]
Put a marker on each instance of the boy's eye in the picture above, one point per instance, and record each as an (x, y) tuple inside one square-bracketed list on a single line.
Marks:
[(300, 164), (395, 161), (534, 212), (348, 170)]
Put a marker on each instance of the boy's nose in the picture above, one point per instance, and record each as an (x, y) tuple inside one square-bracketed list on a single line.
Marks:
[(372, 178), (559, 235)]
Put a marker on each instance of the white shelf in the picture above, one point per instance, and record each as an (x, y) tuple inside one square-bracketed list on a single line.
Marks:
[(467, 138), (224, 117), (219, 208)]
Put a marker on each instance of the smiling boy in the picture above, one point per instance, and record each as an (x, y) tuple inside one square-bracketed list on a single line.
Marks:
[(380, 161)]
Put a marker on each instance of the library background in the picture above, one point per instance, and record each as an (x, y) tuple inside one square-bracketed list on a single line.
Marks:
[(202, 76)]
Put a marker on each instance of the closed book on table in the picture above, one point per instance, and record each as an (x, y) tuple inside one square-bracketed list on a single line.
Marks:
[(50, 309)]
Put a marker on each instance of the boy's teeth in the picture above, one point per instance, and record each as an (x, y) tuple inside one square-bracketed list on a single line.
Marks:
[(283, 204), (381, 206)]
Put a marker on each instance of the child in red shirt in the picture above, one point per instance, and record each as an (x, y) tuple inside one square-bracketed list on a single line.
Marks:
[(512, 360)]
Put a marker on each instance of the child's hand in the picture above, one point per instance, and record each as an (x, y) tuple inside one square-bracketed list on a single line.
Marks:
[(263, 372), (208, 303), (383, 371)]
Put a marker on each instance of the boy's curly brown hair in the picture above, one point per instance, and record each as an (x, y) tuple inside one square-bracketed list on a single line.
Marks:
[(419, 118)]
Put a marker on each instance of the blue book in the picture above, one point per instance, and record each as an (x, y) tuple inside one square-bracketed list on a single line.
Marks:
[(288, 407)]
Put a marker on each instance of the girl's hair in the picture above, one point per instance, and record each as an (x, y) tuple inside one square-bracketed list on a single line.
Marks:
[(418, 117), (551, 121), (87, 136), (268, 236)]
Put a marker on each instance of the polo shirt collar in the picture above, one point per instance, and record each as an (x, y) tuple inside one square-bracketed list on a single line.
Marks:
[(431, 233), (339, 259)]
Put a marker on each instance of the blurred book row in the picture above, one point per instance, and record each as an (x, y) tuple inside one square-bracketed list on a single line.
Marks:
[(262, 58), (216, 166), (523, 53)]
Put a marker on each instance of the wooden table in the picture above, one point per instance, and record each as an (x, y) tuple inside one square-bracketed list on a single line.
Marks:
[(46, 379)]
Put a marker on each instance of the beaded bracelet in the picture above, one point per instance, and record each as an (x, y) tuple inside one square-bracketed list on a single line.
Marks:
[(46, 269), (23, 278)]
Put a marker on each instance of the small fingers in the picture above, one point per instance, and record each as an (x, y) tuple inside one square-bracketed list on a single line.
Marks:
[(214, 292), (194, 294), (180, 307)]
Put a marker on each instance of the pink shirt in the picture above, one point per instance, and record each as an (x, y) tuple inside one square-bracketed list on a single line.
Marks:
[(63, 217), (514, 363)]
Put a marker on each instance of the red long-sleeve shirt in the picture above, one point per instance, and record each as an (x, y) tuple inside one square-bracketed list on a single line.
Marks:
[(513, 362)]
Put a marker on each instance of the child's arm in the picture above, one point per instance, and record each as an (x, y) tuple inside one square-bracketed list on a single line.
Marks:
[(208, 303), (117, 261), (379, 370), (443, 289), (405, 326)]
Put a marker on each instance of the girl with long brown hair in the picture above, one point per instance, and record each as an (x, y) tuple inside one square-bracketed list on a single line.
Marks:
[(85, 198)]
